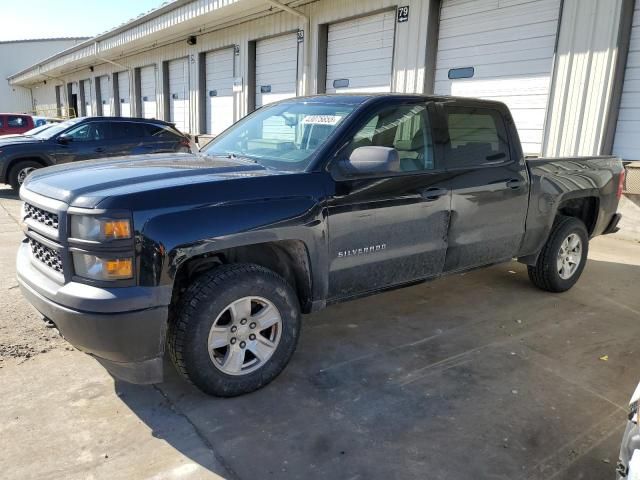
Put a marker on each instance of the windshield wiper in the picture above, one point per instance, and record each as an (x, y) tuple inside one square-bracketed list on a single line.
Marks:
[(235, 156)]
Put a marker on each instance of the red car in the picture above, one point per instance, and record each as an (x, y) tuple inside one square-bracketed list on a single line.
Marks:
[(13, 123)]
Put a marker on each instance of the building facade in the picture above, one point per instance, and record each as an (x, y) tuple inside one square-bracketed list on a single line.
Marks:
[(18, 54), (568, 69)]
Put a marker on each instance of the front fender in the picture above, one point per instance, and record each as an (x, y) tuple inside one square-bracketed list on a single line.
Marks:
[(168, 240)]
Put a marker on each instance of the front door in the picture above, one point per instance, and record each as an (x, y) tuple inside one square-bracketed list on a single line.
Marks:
[(84, 142), (391, 229), (489, 189)]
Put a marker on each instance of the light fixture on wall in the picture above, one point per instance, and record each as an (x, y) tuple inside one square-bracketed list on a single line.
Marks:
[(91, 68), (192, 40)]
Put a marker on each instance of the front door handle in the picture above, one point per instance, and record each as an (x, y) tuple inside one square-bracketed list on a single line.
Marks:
[(514, 183), (431, 194), (99, 150)]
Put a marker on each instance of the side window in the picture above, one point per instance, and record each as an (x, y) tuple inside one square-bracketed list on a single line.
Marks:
[(405, 128), (88, 132), (14, 121), (159, 132), (477, 136), (126, 130), (1, 122)]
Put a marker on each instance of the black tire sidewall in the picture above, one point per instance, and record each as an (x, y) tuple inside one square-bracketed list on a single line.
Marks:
[(566, 228), (199, 366), (15, 170)]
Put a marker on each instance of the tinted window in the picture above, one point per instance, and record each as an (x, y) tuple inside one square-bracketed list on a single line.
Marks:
[(477, 136), (16, 122), (161, 131), (405, 128), (1, 122), (122, 130), (88, 132)]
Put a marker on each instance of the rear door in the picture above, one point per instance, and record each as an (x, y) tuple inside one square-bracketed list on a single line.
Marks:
[(489, 188), (126, 139), (392, 228), (161, 139)]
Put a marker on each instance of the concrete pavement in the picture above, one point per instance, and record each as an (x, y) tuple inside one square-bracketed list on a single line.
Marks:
[(473, 376)]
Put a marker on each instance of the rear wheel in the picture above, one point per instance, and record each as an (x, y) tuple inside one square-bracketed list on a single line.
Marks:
[(235, 330), (563, 257), (20, 171)]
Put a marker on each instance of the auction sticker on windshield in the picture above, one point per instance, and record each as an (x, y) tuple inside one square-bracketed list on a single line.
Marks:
[(322, 119)]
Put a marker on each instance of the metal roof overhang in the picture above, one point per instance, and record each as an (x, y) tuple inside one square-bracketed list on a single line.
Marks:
[(165, 25)]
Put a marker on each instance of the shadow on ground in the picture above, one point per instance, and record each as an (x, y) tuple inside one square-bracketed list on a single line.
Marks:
[(474, 376)]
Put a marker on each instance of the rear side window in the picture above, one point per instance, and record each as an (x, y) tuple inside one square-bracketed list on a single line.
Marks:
[(477, 136), (160, 131), (124, 130), (1, 122), (16, 122)]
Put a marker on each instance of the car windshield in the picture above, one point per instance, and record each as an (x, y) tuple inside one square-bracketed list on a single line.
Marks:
[(56, 129), (37, 130), (283, 136)]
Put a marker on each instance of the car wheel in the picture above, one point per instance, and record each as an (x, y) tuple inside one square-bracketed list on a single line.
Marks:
[(20, 171), (235, 329), (563, 257)]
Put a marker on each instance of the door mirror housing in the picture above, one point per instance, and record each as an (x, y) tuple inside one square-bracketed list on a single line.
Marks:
[(65, 139), (371, 161)]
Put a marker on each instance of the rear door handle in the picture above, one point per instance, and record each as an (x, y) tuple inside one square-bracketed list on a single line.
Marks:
[(431, 194), (99, 150), (514, 183)]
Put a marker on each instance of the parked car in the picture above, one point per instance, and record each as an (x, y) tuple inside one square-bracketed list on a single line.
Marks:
[(31, 132), (302, 204), (628, 467), (84, 139), (13, 123)]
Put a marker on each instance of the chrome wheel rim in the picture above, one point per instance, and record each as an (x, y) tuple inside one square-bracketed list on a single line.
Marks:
[(569, 256), (22, 174), (245, 335)]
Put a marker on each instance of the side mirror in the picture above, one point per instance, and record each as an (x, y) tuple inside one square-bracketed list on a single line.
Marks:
[(371, 161), (64, 139)]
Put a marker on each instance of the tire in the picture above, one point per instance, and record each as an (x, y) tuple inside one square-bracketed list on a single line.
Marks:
[(218, 298), (19, 171), (547, 273)]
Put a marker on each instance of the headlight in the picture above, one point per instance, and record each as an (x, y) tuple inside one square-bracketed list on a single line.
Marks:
[(89, 227), (96, 268)]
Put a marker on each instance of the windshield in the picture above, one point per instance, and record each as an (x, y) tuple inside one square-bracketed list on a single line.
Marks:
[(283, 136), (56, 129), (39, 129)]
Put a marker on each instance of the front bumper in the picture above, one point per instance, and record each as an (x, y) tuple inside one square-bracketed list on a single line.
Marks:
[(124, 328)]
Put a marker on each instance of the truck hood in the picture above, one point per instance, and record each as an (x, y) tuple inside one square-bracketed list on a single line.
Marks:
[(85, 184)]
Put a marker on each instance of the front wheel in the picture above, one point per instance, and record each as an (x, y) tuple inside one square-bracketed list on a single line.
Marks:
[(235, 329), (20, 171), (563, 257)]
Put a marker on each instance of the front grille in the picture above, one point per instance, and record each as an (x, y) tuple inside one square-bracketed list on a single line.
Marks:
[(45, 255), (41, 216)]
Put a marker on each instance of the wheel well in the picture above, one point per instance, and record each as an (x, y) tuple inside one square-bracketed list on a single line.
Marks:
[(287, 258), (585, 208), (15, 161)]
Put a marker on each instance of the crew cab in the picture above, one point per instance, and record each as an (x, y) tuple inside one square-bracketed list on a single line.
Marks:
[(304, 203), (85, 138)]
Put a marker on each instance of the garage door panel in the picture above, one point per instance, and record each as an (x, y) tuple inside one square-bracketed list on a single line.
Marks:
[(627, 138), (124, 94), (148, 91), (510, 45), (219, 90), (88, 97), (276, 69), (360, 51), (179, 108), (105, 95)]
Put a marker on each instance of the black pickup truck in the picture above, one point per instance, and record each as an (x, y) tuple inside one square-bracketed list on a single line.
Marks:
[(304, 203)]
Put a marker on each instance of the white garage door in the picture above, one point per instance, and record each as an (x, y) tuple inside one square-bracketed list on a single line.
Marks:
[(148, 92), (219, 93), (179, 93), (505, 50), (276, 69), (86, 92), (627, 140), (105, 95), (360, 54), (124, 94)]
